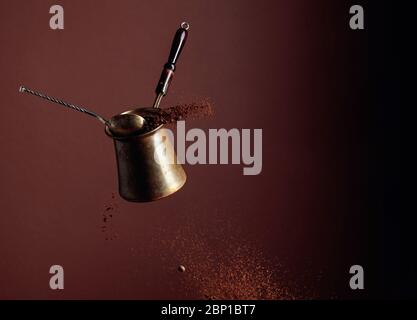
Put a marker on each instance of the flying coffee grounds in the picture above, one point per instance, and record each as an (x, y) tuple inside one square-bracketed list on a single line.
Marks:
[(193, 111), (107, 219)]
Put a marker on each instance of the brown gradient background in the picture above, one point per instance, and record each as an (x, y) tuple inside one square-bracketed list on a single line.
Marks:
[(292, 68)]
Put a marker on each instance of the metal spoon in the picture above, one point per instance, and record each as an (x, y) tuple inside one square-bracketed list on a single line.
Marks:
[(119, 125)]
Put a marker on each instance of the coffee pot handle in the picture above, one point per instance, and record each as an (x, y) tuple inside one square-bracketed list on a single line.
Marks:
[(169, 67)]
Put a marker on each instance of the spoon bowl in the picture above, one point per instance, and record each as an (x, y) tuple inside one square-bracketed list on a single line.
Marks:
[(126, 124)]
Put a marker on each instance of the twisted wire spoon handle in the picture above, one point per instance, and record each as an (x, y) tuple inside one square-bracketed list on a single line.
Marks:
[(63, 103)]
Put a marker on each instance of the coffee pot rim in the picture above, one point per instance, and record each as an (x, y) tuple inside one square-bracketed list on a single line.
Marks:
[(141, 111)]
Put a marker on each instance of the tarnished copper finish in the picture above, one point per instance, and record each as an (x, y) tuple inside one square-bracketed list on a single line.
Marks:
[(142, 177)]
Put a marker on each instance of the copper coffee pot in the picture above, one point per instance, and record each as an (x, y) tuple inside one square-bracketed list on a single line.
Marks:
[(146, 169)]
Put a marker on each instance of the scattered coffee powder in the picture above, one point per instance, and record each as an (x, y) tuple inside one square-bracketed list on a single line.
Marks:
[(194, 111), (107, 219), (221, 265)]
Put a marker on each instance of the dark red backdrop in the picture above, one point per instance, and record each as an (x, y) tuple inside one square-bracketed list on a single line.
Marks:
[(292, 68)]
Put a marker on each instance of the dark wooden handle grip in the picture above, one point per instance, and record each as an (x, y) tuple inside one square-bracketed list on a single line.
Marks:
[(169, 68)]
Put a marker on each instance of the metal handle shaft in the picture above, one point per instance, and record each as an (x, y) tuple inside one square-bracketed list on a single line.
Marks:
[(63, 103)]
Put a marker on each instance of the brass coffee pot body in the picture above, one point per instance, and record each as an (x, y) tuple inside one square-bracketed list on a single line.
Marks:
[(146, 165)]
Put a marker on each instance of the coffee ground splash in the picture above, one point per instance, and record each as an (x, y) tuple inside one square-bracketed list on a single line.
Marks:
[(193, 111), (107, 226)]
